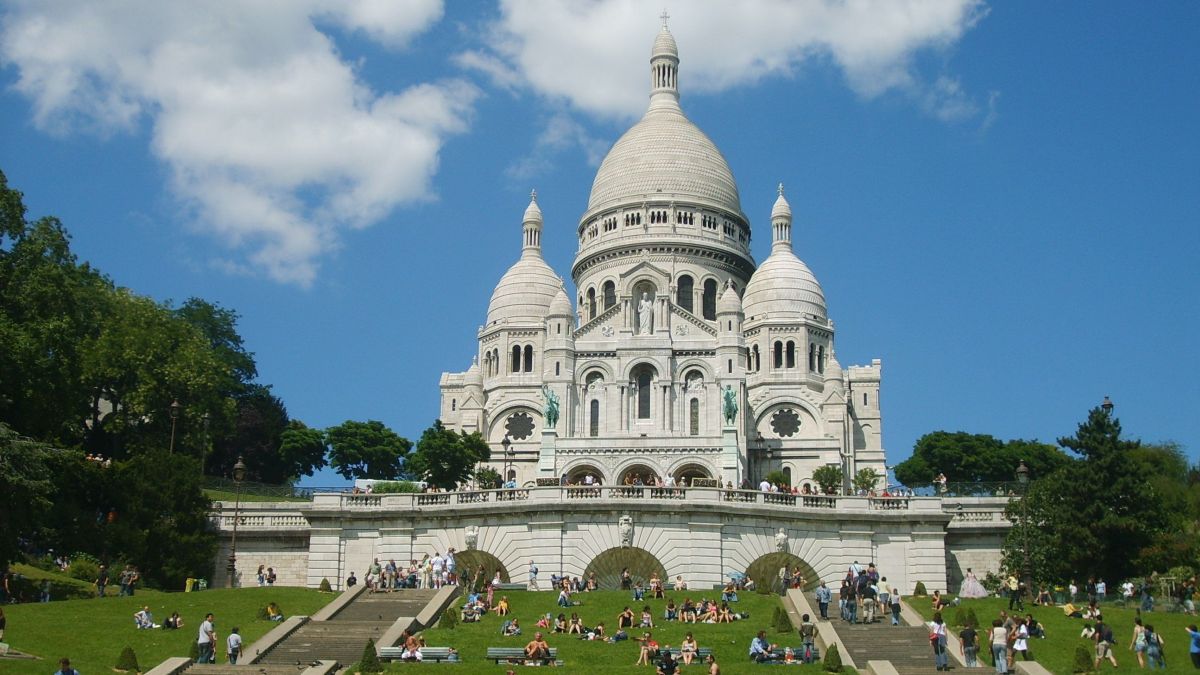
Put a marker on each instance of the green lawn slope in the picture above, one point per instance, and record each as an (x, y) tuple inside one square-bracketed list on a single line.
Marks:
[(1057, 651)]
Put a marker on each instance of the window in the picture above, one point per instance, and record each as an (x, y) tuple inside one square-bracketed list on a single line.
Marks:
[(785, 423), (864, 398), (778, 354), (529, 358), (791, 354), (556, 368), (519, 426), (683, 292), (787, 474), (594, 418), (642, 377), (610, 295), (729, 366), (694, 417), (710, 300), (454, 404), (812, 357), (591, 303), (516, 359), (821, 359), (755, 358)]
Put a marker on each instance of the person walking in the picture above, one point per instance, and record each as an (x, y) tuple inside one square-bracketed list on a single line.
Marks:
[(894, 599), (1104, 643), (999, 646), (206, 641), (1194, 648), (233, 646), (1154, 649), (101, 580), (937, 638), (824, 597), (968, 643)]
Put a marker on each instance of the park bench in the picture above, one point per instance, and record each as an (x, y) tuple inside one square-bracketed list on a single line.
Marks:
[(511, 586), (428, 654), (516, 655), (797, 654), (701, 652)]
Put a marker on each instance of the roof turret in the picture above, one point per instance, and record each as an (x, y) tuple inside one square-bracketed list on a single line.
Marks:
[(783, 287)]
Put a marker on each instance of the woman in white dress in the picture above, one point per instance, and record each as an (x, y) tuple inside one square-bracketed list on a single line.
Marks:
[(971, 588)]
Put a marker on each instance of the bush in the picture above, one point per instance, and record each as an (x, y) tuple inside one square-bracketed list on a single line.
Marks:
[(960, 617), (833, 659), (83, 570), (127, 661), (781, 621), (324, 587), (972, 620), (369, 663), (449, 619), (920, 591), (194, 651), (394, 487), (1083, 660)]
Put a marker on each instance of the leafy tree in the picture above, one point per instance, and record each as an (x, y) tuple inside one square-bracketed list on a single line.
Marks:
[(488, 478), (219, 326), (776, 478), (973, 458), (302, 448), (256, 437), (445, 457), (866, 480), (27, 485), (829, 478), (366, 450)]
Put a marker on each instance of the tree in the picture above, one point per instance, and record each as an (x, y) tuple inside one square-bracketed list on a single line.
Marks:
[(366, 450), (488, 478), (445, 457), (975, 458), (27, 485), (302, 448), (866, 480), (256, 437), (829, 477)]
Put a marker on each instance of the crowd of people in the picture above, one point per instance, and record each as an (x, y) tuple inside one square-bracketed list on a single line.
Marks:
[(432, 571)]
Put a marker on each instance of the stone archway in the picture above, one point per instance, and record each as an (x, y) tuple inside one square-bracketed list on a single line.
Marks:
[(608, 566), (765, 571), (684, 473), (577, 475), (646, 473), (478, 567)]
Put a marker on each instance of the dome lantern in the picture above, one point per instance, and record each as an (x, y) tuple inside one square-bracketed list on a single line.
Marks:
[(781, 221)]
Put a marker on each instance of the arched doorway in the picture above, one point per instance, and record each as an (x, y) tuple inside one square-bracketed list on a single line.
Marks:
[(637, 474), (765, 571), (578, 475), (607, 567), (687, 472), (477, 568)]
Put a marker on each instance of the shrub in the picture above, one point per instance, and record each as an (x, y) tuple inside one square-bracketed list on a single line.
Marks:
[(972, 620), (194, 651), (262, 613), (960, 616), (324, 587), (127, 661), (919, 590), (1083, 660), (369, 663), (83, 570), (781, 621), (833, 659), (394, 487), (449, 619)]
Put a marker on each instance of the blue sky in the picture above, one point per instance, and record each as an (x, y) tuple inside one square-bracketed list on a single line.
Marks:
[(1001, 200)]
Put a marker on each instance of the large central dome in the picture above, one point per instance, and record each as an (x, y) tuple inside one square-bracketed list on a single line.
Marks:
[(665, 156)]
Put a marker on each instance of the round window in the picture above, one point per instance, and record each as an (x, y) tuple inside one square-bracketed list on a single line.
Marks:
[(519, 426), (785, 422)]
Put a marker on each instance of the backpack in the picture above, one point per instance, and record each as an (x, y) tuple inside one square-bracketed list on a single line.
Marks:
[(1107, 635), (807, 630)]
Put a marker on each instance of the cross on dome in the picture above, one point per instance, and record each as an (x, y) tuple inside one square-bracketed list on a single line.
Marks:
[(533, 194), (781, 189), (664, 16)]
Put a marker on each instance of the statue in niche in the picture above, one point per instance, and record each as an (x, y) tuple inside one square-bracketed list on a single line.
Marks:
[(730, 408), (625, 528), (645, 315), (472, 537), (551, 411), (781, 541)]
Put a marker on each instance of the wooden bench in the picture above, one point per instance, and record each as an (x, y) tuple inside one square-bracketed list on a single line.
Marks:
[(434, 654), (516, 655), (511, 586), (701, 653), (797, 654)]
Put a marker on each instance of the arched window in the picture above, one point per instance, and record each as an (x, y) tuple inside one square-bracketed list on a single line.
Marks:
[(821, 359), (495, 361), (791, 354), (683, 292), (591, 303), (516, 359), (778, 354), (594, 418), (610, 295), (453, 404), (694, 417), (710, 299), (812, 357), (787, 474), (557, 369), (755, 358), (864, 398), (529, 358), (643, 377)]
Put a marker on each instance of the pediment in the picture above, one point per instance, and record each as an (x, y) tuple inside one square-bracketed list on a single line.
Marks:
[(646, 267)]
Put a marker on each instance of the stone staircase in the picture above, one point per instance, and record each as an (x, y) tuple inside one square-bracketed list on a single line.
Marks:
[(906, 647), (226, 669)]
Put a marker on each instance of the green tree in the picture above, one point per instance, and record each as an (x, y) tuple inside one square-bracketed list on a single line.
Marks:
[(488, 478), (445, 457), (366, 450), (27, 486), (866, 480), (256, 437), (302, 448), (974, 458), (829, 478)]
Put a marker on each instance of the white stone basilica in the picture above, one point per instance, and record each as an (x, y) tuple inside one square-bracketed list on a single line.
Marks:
[(673, 325)]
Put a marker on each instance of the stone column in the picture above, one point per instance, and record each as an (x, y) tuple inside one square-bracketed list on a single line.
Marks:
[(546, 458)]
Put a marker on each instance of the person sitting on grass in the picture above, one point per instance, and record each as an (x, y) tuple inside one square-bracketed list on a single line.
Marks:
[(564, 597), (512, 628), (560, 624), (597, 631), (656, 586), (671, 613), (688, 649), (575, 625), (680, 584), (647, 618), (639, 592), (502, 606), (668, 665), (173, 622), (937, 601), (729, 593), (144, 619), (709, 612), (725, 615), (687, 613), (648, 651), (1088, 633), (537, 649), (544, 621), (625, 618), (762, 651), (273, 613)]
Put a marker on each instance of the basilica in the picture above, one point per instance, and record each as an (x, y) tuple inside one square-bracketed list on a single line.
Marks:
[(678, 358)]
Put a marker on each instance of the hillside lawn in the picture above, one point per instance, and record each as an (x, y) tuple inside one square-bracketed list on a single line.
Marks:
[(730, 641), (92, 632), (1057, 651)]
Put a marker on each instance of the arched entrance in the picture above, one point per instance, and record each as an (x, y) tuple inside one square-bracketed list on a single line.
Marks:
[(578, 475), (685, 473), (477, 568), (765, 571), (637, 474), (607, 566)]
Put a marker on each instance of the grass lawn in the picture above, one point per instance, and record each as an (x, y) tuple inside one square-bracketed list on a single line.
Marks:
[(231, 496), (1057, 651), (93, 632), (730, 642)]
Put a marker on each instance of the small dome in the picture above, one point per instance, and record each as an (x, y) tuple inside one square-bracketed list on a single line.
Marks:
[(783, 288), (533, 213), (664, 44), (833, 370), (473, 376), (524, 292), (781, 209), (561, 304), (729, 301)]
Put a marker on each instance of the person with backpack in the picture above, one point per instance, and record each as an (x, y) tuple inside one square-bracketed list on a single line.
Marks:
[(1104, 643), (808, 634), (64, 668), (1154, 649)]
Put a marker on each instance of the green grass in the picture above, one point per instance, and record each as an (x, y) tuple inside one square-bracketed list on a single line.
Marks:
[(231, 496), (1057, 651), (93, 632), (729, 642)]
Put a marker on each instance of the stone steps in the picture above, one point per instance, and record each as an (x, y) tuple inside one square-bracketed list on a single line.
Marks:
[(906, 647), (252, 669)]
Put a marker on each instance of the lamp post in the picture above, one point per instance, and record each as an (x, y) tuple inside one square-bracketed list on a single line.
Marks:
[(1107, 406), (206, 418), (507, 455), (1023, 479), (239, 473), (175, 408)]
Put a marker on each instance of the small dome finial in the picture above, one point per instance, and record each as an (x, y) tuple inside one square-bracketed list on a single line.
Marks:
[(533, 193), (664, 16), (781, 189)]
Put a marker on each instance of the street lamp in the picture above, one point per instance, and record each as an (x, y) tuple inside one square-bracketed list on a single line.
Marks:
[(507, 455), (1023, 479), (1107, 406), (239, 473), (175, 408)]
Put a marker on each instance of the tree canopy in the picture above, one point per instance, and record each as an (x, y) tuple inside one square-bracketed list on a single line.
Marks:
[(973, 458), (366, 450), (446, 458)]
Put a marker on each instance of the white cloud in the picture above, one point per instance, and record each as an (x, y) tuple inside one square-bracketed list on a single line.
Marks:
[(559, 133), (268, 133), (592, 54)]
